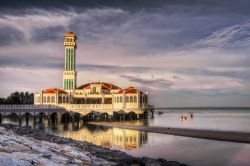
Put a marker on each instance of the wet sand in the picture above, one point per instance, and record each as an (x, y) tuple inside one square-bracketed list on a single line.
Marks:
[(232, 136)]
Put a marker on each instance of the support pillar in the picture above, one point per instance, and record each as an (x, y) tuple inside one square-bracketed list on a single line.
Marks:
[(27, 119), (20, 120), (83, 118), (110, 117), (98, 117), (138, 116), (40, 118), (34, 119), (49, 119), (73, 118)]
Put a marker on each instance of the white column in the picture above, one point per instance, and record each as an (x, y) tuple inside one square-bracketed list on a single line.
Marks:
[(123, 100), (102, 98), (41, 99), (138, 99)]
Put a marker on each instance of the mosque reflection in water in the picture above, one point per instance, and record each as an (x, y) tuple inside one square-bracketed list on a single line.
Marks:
[(102, 136)]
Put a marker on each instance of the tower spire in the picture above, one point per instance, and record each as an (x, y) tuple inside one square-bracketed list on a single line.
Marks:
[(69, 73)]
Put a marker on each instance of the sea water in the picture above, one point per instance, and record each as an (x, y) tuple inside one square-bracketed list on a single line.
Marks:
[(191, 151)]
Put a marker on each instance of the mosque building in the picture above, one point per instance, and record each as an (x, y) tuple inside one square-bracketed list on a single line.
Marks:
[(95, 97)]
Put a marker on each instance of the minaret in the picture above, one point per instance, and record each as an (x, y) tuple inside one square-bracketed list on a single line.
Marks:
[(69, 73)]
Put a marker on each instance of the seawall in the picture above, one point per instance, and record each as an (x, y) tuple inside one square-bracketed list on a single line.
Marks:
[(233, 136)]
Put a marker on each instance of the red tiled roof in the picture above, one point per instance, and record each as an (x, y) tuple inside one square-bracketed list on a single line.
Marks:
[(54, 90), (128, 90), (105, 85)]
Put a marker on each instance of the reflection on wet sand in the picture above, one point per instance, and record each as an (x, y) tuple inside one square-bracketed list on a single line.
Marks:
[(102, 136), (111, 137)]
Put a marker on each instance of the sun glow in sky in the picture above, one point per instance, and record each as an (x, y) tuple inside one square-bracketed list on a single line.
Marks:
[(194, 53)]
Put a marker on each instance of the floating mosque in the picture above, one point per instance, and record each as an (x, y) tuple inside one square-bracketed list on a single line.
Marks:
[(98, 98)]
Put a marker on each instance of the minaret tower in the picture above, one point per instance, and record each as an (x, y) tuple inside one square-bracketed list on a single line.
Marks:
[(69, 73)]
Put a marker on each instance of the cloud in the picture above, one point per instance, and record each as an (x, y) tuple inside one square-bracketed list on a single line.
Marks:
[(9, 35), (36, 20), (184, 48), (150, 83), (235, 36), (183, 83)]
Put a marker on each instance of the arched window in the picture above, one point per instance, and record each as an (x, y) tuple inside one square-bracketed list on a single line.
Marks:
[(117, 99), (60, 99), (63, 99), (120, 99), (48, 99), (135, 99), (52, 99), (44, 99), (127, 99), (131, 99)]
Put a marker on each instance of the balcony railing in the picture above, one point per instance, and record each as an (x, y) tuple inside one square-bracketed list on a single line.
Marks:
[(87, 106), (28, 106)]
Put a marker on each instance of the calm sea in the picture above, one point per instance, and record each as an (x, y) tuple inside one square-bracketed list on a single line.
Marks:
[(191, 151)]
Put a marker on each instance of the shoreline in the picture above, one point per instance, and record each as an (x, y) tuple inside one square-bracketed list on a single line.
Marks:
[(232, 136), (21, 144)]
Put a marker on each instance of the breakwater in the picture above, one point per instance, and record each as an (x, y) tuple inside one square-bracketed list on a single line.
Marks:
[(233, 136)]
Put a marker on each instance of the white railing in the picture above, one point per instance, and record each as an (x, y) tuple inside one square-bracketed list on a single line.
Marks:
[(86, 106), (28, 106), (60, 106)]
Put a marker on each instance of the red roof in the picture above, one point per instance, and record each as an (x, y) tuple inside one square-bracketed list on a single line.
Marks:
[(70, 34), (128, 90), (105, 85), (54, 90)]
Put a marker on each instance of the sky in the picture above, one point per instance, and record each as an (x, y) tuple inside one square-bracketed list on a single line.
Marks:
[(185, 53)]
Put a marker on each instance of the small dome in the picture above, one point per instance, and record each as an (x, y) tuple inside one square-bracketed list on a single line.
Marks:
[(54, 90), (70, 34)]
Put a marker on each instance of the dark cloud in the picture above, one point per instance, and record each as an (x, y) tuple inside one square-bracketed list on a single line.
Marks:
[(150, 83), (9, 35), (114, 69), (44, 61), (30, 62), (48, 34), (230, 5), (224, 73)]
